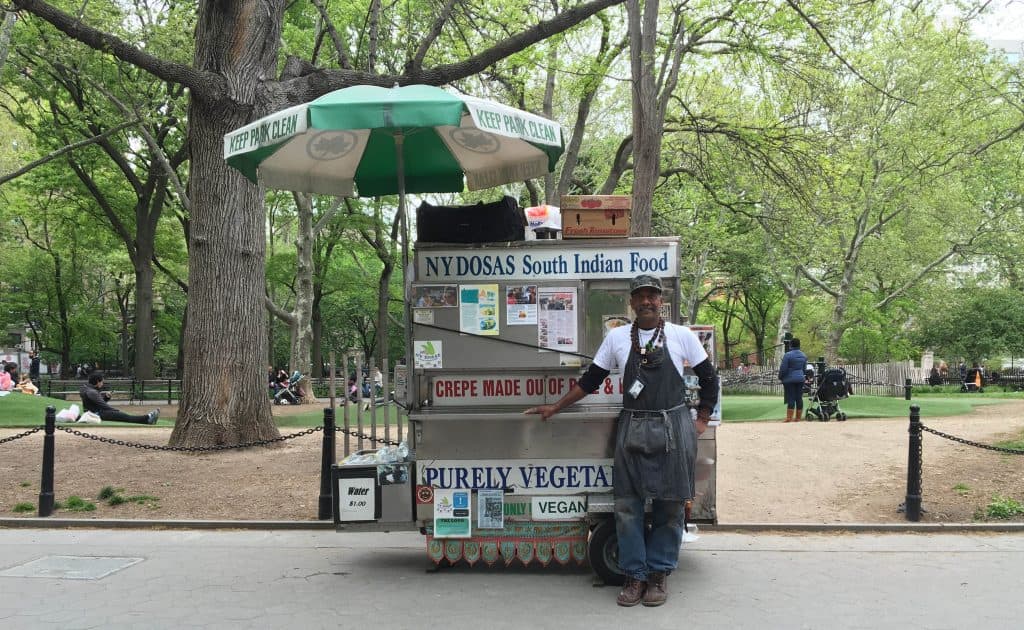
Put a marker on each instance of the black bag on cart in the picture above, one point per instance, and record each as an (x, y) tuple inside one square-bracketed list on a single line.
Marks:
[(479, 223)]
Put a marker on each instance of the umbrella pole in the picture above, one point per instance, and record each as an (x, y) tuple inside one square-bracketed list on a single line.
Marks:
[(412, 391)]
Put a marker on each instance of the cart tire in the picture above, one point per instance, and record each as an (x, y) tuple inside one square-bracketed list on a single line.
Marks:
[(841, 417), (603, 552)]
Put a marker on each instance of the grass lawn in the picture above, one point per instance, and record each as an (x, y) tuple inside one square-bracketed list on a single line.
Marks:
[(19, 410), (759, 408), (22, 411)]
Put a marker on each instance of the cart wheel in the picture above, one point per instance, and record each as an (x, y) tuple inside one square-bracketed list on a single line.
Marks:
[(603, 552), (808, 414), (841, 417), (825, 417)]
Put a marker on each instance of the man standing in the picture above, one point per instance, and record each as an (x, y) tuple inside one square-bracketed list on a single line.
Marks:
[(95, 401), (33, 367), (656, 436)]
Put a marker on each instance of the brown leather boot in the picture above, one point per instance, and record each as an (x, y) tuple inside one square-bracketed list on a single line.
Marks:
[(798, 415), (632, 592), (655, 594), (789, 414)]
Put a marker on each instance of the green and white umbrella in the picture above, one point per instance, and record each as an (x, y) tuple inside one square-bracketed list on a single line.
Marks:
[(370, 141)]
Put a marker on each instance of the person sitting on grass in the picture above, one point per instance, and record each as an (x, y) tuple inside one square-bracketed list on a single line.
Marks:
[(95, 400), (26, 386)]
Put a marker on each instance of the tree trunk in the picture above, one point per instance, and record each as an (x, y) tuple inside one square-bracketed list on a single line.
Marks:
[(144, 313), (224, 391), (302, 332), (647, 128)]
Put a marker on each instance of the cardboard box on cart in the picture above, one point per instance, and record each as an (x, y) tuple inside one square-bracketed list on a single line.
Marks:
[(595, 216)]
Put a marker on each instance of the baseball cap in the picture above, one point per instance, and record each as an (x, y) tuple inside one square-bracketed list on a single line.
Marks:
[(642, 281)]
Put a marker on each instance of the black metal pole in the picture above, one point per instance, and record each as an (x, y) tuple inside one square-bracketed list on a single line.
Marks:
[(168, 391), (787, 342), (819, 370), (906, 389), (46, 484), (325, 511), (913, 504)]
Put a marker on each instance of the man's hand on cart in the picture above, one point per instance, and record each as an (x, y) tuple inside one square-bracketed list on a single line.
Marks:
[(544, 411), (703, 417)]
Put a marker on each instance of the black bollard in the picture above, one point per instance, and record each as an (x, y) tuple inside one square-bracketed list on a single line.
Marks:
[(787, 342), (46, 484), (906, 389), (325, 511), (913, 504)]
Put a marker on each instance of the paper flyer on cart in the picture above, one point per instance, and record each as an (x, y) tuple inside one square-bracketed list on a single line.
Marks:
[(490, 505), (478, 309), (556, 325), (451, 514), (521, 305)]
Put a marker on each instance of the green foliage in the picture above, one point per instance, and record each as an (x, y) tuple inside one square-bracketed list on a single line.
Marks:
[(23, 508), (975, 323), (962, 489), (1003, 507), (76, 503), (114, 497)]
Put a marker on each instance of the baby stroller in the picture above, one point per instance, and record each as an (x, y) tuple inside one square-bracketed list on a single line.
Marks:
[(826, 394), (290, 393)]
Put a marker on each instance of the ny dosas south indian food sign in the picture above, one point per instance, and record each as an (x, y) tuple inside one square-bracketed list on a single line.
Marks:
[(548, 263)]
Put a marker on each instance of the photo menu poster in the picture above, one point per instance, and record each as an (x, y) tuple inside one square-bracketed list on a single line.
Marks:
[(478, 309), (556, 319), (521, 305)]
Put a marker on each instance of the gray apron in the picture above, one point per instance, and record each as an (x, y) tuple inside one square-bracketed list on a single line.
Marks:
[(656, 440)]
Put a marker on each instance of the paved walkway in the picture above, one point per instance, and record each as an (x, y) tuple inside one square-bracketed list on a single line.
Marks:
[(323, 579)]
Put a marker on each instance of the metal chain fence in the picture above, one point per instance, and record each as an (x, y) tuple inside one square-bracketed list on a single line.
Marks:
[(21, 435), (988, 447), (201, 449)]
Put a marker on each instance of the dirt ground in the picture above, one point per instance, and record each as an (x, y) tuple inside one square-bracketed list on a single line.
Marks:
[(768, 472)]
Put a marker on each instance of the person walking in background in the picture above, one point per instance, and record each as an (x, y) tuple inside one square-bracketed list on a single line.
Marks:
[(791, 373), (95, 400)]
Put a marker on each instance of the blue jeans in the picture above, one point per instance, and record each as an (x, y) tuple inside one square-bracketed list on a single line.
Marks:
[(642, 552)]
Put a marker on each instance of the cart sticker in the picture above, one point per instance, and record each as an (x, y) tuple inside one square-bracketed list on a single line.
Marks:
[(424, 495), (423, 316), (451, 514), (427, 354), (490, 509), (536, 476), (456, 265), (559, 508)]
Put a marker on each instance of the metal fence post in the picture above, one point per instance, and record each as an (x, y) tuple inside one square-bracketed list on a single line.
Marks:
[(46, 484), (168, 391), (914, 455), (326, 461), (907, 386)]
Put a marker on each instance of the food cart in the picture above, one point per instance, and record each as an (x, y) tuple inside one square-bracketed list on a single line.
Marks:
[(497, 328)]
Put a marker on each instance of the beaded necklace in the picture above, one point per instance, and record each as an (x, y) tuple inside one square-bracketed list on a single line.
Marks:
[(656, 340)]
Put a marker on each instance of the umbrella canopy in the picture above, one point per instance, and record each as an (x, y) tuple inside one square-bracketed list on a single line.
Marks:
[(345, 142)]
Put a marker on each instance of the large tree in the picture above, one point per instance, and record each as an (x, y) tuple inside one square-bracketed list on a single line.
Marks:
[(232, 81)]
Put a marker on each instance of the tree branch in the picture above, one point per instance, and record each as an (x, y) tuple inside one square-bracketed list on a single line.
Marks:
[(203, 84), (67, 149)]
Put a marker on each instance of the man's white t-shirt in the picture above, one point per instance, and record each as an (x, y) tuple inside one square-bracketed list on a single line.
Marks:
[(682, 345)]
